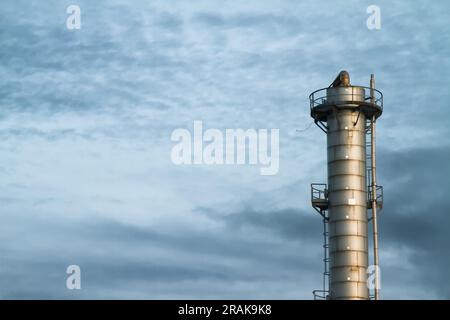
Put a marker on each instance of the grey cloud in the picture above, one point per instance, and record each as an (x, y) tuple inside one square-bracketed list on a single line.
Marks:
[(114, 255), (259, 22), (415, 214), (288, 223)]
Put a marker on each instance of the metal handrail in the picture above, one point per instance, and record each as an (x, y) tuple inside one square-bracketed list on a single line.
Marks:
[(319, 191), (316, 101), (321, 294), (379, 194)]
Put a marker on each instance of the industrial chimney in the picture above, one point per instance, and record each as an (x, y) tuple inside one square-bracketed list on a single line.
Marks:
[(347, 115)]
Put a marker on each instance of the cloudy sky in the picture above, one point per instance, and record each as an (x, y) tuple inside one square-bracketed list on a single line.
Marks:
[(86, 118)]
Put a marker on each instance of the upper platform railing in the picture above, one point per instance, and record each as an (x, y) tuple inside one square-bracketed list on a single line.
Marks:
[(319, 97)]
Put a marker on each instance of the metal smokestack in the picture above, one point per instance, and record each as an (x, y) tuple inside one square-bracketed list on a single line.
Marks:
[(347, 114)]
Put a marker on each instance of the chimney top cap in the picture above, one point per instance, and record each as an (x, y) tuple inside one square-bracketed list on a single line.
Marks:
[(342, 80)]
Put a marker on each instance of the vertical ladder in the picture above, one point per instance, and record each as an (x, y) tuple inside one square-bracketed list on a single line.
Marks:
[(324, 293), (369, 175), (319, 201), (368, 153), (374, 198), (326, 257)]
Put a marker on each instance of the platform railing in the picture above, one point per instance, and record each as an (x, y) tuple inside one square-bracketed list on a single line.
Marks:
[(321, 294), (319, 97), (379, 196), (319, 192)]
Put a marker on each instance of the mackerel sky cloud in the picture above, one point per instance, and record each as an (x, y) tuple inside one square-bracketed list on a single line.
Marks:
[(86, 118)]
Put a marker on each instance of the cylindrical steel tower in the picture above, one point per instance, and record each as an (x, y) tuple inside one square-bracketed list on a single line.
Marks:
[(345, 113)]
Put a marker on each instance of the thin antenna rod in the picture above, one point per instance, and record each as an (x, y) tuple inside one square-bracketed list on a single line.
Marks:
[(374, 192)]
